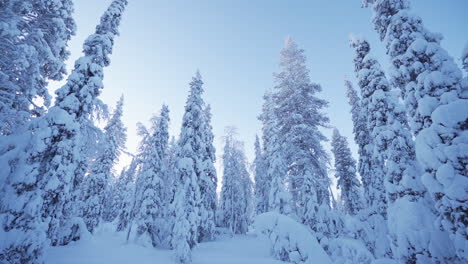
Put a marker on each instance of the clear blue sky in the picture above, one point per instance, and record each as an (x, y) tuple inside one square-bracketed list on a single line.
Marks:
[(236, 46)]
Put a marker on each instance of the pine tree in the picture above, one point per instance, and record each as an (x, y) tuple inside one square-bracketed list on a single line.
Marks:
[(262, 189), (208, 181), (33, 50), (376, 196), (96, 184), (345, 167), (47, 175), (188, 199), (236, 193), (149, 211), (435, 97), (361, 136)]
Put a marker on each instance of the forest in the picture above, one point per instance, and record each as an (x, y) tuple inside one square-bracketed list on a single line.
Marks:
[(64, 198)]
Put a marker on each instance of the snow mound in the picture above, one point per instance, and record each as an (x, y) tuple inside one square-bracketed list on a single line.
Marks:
[(109, 247), (290, 240), (349, 251)]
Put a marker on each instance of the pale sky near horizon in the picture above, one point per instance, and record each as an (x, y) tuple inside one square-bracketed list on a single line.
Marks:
[(236, 45)]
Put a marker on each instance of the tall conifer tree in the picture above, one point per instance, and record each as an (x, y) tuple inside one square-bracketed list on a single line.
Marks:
[(435, 97), (345, 172), (189, 167)]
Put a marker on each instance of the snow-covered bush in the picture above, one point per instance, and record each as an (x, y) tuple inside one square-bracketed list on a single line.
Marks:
[(349, 251), (290, 240)]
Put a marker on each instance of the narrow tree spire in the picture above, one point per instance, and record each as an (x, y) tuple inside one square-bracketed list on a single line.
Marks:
[(361, 135), (262, 185), (374, 159), (345, 172), (188, 201)]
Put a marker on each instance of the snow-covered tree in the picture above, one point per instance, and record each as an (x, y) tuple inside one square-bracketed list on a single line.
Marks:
[(208, 180), (361, 136), (33, 50), (41, 187), (236, 193), (268, 130), (370, 110), (113, 197), (295, 161), (376, 196), (191, 150), (298, 112), (345, 172), (262, 189), (171, 180), (435, 97), (279, 197), (290, 241), (127, 195), (405, 192), (149, 210), (96, 183)]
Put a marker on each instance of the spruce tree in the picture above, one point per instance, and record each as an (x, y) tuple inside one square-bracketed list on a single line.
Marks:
[(191, 150), (345, 172), (114, 196), (435, 97), (299, 117), (376, 196), (127, 195), (405, 192), (149, 211), (373, 119), (41, 188), (295, 158), (261, 183), (361, 137), (236, 193), (268, 125), (208, 180), (97, 182), (279, 197)]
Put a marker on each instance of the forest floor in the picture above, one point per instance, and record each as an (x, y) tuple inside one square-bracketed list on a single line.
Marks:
[(109, 247)]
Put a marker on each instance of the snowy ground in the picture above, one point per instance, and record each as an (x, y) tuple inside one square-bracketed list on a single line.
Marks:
[(108, 247)]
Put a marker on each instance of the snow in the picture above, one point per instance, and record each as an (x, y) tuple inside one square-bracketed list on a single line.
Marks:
[(289, 239), (109, 247), (349, 251)]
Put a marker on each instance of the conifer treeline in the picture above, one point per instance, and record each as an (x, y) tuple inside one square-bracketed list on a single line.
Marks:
[(404, 199)]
